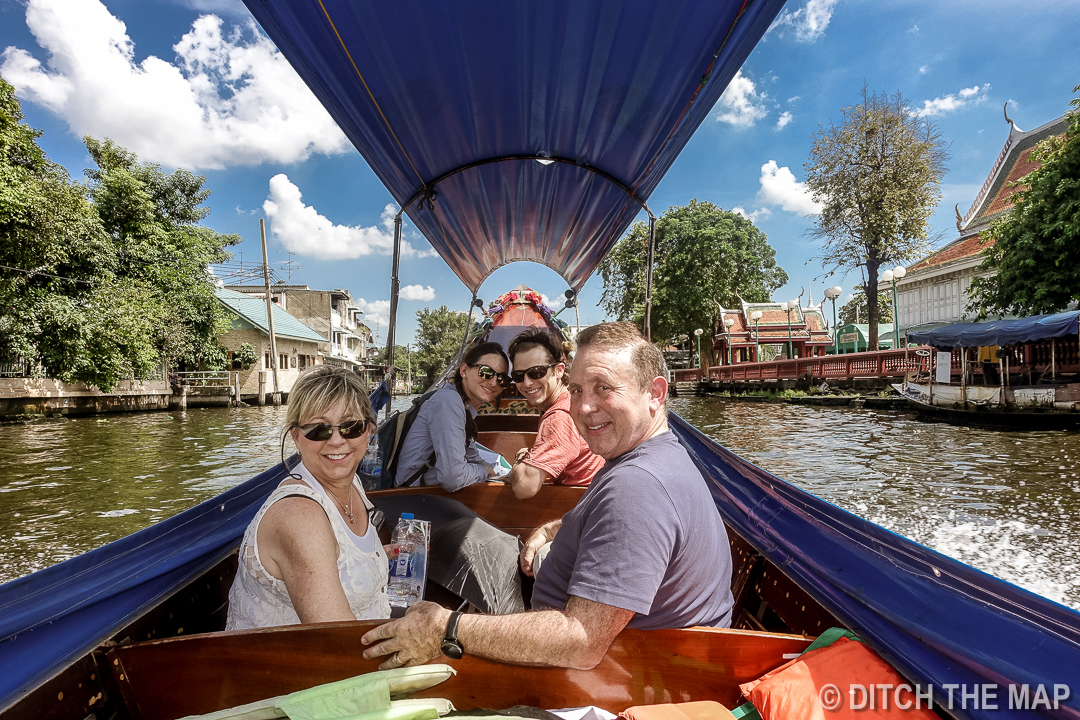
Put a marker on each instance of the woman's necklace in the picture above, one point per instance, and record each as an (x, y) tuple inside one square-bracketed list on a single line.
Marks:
[(346, 506)]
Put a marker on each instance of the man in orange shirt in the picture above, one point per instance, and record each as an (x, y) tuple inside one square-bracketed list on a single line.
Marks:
[(559, 452)]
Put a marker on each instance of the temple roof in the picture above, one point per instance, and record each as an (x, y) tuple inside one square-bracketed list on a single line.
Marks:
[(808, 324), (995, 198), (1013, 163)]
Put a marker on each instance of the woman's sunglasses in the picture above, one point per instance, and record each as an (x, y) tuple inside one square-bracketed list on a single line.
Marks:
[(324, 431), (486, 373), (535, 373)]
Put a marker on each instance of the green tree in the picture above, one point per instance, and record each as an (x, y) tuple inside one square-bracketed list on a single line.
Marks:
[(101, 282), (855, 310), (62, 307), (153, 218), (1032, 254), (438, 340), (878, 176), (704, 256)]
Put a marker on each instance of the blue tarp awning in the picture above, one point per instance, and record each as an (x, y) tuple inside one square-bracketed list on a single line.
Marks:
[(1000, 332), (450, 103)]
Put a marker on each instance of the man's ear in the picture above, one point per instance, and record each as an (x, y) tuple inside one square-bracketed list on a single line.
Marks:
[(658, 389)]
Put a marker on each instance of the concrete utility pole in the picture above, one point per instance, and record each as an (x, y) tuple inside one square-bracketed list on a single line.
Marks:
[(270, 314)]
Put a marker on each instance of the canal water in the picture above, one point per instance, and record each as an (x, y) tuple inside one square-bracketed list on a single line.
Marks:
[(1004, 502)]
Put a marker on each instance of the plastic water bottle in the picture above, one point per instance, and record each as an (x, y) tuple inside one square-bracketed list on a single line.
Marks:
[(408, 569), (372, 463)]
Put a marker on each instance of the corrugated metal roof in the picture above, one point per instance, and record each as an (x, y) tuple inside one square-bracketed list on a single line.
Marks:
[(253, 310)]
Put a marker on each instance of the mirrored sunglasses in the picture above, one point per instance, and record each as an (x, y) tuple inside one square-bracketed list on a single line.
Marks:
[(536, 372), (486, 373), (324, 431)]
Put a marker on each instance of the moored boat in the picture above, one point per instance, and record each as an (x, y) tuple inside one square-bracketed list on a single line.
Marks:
[(1021, 374)]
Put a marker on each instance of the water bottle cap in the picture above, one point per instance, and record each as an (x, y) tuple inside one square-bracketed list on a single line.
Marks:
[(406, 516)]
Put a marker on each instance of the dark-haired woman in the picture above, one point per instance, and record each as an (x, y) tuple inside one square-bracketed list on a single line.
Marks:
[(310, 554), (559, 452), (440, 448)]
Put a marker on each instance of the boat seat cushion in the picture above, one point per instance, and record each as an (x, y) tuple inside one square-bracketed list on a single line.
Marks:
[(794, 690), (700, 710)]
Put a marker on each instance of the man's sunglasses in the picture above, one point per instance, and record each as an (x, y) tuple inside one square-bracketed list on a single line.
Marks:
[(486, 373), (536, 372), (324, 431)]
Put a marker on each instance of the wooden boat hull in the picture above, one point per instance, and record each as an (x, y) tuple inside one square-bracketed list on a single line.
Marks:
[(159, 678), (947, 407)]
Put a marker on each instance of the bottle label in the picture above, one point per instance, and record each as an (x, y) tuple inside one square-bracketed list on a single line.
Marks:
[(401, 567)]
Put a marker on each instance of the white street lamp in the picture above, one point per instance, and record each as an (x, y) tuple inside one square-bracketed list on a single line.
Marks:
[(756, 316), (898, 273), (788, 307), (697, 334), (728, 322), (833, 293)]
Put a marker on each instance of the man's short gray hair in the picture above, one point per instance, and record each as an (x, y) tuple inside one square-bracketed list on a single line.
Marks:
[(646, 358)]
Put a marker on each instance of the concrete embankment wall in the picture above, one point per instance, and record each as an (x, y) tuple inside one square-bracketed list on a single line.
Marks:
[(28, 397)]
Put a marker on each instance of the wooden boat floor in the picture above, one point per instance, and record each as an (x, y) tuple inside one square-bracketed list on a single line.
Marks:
[(165, 679)]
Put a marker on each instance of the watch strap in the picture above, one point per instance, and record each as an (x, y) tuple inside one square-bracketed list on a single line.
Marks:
[(451, 627)]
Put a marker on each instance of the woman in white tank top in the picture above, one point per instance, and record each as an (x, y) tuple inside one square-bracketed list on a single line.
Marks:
[(311, 554)]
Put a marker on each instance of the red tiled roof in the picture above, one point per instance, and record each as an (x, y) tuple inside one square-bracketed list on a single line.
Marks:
[(956, 250), (738, 327), (1016, 164)]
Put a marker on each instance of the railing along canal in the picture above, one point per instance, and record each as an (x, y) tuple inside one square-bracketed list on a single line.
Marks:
[(880, 364), (1031, 361)]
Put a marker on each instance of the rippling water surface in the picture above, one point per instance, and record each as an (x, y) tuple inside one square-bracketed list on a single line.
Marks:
[(67, 486), (1005, 502)]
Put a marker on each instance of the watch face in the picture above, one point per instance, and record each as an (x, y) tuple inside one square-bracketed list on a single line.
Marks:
[(452, 649)]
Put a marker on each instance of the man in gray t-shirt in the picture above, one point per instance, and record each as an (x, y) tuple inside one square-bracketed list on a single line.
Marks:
[(645, 545), (646, 537)]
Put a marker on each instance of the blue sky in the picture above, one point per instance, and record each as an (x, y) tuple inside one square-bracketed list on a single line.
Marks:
[(195, 84)]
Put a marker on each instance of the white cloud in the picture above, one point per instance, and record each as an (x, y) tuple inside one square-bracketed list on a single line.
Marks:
[(794, 98), (922, 69), (228, 99), (553, 305), (303, 230), (417, 292), (808, 22), (376, 315), (779, 187), (914, 29), (752, 216), (222, 7), (951, 102), (741, 104), (784, 119)]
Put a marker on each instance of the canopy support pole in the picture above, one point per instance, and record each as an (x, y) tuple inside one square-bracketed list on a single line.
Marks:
[(963, 375), (390, 375), (1053, 358), (468, 326), (648, 276)]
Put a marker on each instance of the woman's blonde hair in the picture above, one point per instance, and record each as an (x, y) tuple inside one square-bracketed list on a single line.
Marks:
[(321, 388)]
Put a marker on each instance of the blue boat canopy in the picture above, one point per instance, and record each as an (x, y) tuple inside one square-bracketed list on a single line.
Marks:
[(1000, 332), (518, 131)]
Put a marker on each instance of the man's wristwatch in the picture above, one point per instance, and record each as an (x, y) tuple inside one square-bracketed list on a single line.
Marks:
[(451, 646)]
